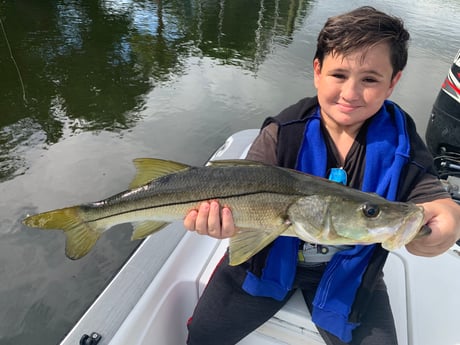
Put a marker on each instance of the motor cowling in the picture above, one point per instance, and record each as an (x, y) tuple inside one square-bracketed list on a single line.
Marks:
[(443, 130)]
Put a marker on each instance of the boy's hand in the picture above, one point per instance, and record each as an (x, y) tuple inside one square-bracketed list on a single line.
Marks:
[(443, 217), (211, 220)]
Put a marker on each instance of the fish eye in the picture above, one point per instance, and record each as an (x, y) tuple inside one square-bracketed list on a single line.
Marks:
[(370, 210)]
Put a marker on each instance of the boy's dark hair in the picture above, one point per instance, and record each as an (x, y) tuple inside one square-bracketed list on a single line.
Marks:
[(363, 28)]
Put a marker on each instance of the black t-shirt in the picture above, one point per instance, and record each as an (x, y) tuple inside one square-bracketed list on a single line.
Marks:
[(354, 161)]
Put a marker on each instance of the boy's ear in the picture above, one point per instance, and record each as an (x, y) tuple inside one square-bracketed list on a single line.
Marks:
[(316, 65), (316, 70), (393, 83), (395, 79)]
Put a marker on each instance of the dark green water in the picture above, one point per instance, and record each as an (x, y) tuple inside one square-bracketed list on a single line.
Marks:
[(86, 86)]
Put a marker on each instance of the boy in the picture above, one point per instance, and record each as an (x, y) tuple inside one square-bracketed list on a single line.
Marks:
[(350, 133)]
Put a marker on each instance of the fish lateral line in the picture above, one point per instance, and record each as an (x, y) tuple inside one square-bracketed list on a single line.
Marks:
[(88, 207)]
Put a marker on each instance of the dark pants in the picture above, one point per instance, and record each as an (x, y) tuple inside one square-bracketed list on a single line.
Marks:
[(225, 313)]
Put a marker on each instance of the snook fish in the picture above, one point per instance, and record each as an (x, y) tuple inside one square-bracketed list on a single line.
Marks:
[(266, 202)]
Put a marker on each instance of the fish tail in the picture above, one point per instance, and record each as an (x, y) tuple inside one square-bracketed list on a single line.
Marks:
[(81, 235)]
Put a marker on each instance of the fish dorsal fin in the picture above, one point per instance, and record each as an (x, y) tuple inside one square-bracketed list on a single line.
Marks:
[(248, 242), (234, 162), (146, 228), (149, 169)]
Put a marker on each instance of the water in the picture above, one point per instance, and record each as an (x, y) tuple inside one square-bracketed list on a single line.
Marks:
[(90, 85)]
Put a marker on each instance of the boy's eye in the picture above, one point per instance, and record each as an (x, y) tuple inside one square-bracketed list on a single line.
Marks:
[(370, 80), (339, 76)]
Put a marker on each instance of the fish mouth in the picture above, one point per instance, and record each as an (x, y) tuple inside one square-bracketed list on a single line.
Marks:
[(407, 231)]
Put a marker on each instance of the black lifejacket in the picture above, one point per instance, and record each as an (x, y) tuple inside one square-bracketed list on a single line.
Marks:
[(291, 126)]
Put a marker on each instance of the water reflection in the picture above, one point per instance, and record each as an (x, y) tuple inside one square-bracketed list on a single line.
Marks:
[(88, 65), (102, 67)]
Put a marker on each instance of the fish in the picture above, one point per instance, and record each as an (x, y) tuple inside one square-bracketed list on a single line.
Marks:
[(266, 201)]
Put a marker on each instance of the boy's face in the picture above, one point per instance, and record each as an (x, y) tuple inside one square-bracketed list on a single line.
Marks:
[(351, 89)]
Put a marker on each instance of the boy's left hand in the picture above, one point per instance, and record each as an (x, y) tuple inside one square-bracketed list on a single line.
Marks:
[(443, 217)]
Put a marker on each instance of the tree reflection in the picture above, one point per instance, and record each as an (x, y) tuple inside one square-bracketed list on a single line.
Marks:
[(87, 65)]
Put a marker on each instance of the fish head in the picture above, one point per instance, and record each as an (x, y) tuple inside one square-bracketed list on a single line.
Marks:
[(355, 219)]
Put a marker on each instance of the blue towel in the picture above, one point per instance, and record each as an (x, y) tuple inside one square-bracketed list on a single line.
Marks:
[(387, 151)]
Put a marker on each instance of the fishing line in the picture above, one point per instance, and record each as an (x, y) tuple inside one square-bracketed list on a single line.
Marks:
[(14, 62)]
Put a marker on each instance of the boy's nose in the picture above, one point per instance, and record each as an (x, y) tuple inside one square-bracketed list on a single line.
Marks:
[(350, 90)]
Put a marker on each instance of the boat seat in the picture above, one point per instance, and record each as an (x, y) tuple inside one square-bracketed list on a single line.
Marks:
[(291, 325)]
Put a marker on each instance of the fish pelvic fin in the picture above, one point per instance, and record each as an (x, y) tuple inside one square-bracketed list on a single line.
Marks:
[(247, 242), (81, 236), (146, 228), (149, 169)]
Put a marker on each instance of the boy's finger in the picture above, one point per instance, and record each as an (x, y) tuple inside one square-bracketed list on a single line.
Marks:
[(201, 223), (228, 226), (214, 227), (190, 219)]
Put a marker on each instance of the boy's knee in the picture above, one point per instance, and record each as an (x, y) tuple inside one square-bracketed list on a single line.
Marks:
[(196, 334)]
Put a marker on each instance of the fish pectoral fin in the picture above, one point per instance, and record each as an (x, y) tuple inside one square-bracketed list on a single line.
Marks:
[(248, 242), (310, 216), (146, 228), (149, 169)]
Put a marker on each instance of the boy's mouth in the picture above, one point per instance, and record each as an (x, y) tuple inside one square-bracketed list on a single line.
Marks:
[(347, 108)]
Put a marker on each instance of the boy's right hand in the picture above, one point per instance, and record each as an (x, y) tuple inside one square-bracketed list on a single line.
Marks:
[(211, 220)]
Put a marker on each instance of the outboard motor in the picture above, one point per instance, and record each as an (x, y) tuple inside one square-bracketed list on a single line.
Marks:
[(443, 131)]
